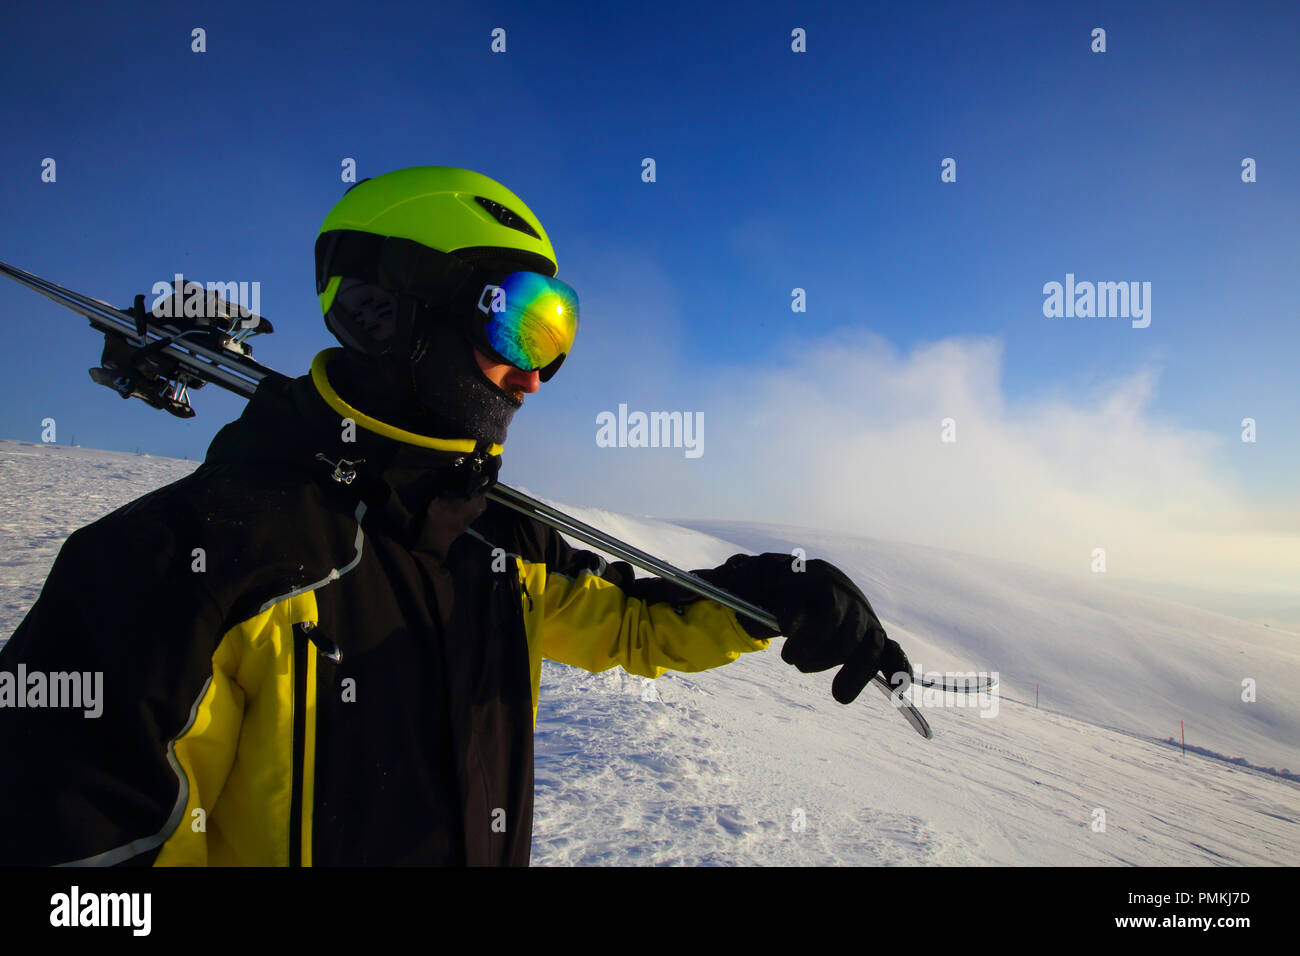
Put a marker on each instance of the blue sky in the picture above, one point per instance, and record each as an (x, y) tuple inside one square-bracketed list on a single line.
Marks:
[(775, 170)]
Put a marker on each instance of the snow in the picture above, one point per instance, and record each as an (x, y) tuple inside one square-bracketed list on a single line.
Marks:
[(754, 763), (49, 492)]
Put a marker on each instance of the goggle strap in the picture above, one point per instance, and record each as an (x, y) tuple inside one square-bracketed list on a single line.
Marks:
[(399, 265)]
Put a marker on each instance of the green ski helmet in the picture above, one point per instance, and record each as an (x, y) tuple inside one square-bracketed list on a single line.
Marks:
[(435, 234)]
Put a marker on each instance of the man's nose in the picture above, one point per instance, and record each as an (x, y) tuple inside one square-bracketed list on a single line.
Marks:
[(528, 382)]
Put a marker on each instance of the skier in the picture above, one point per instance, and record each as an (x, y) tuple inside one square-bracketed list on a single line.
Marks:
[(324, 646)]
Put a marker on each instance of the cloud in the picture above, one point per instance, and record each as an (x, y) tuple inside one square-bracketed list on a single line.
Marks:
[(846, 436)]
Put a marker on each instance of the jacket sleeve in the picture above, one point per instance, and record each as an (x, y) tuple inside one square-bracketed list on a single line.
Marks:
[(595, 615), (117, 641)]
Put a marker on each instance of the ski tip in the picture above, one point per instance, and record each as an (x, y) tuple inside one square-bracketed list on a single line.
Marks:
[(906, 708), (975, 684)]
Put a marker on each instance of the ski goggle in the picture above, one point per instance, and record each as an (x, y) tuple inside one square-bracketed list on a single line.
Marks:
[(528, 321)]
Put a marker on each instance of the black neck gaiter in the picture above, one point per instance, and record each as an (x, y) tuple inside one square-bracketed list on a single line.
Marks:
[(440, 392)]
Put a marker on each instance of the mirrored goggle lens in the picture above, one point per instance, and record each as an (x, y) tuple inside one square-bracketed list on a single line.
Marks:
[(530, 320)]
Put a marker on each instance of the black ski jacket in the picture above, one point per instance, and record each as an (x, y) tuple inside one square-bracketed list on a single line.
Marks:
[(300, 670)]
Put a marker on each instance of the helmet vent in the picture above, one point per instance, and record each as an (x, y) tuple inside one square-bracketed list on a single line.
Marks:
[(507, 218)]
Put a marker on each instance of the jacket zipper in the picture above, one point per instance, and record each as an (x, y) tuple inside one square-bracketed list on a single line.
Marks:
[(301, 647)]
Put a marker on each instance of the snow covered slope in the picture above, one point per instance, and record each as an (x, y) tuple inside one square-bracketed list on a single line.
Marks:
[(48, 492), (755, 763), (1098, 653)]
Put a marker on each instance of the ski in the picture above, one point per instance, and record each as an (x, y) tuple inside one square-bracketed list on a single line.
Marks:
[(159, 359)]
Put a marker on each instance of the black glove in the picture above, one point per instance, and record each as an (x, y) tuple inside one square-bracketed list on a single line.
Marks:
[(826, 619)]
